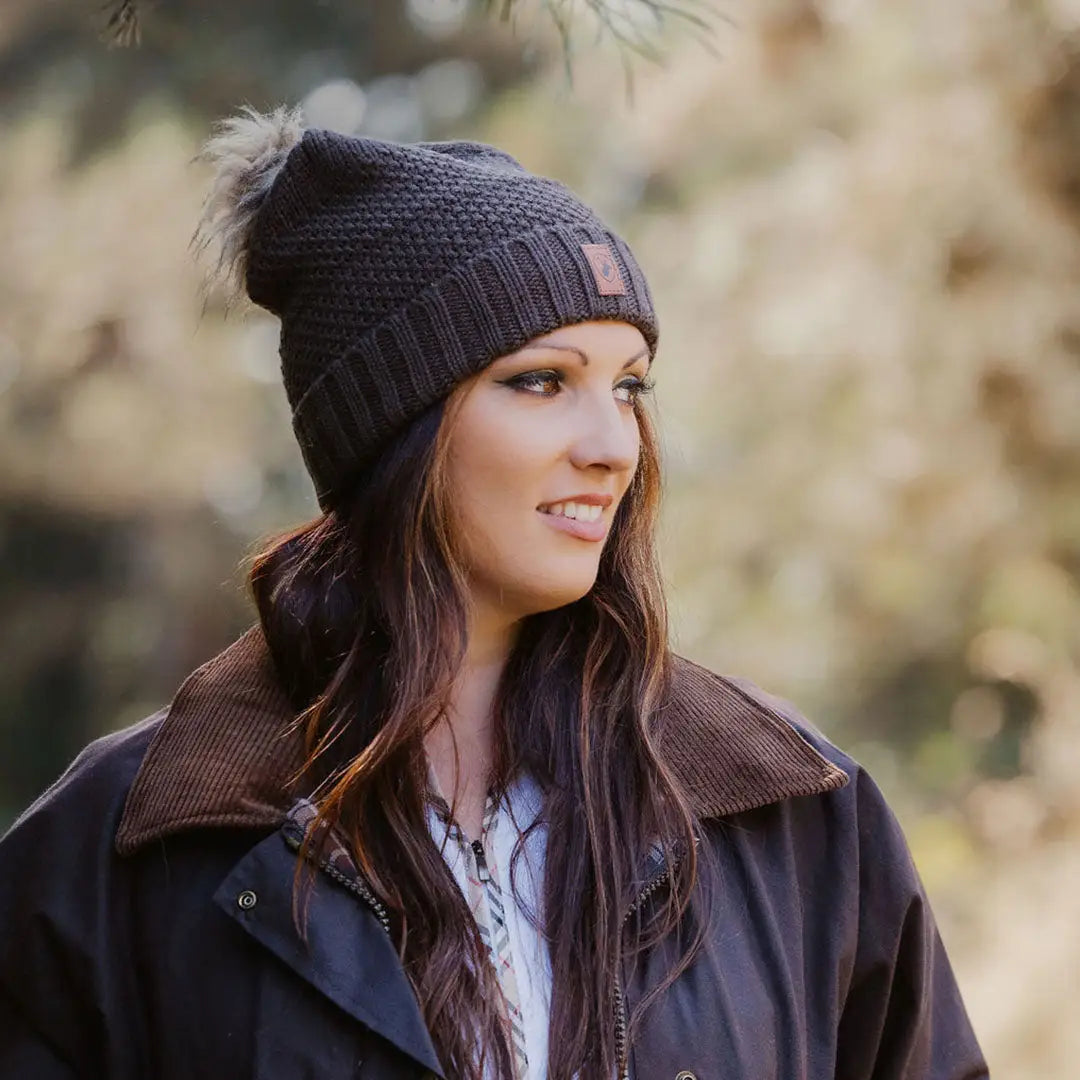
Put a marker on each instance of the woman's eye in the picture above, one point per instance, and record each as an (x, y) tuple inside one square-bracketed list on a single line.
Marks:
[(534, 381), (636, 387)]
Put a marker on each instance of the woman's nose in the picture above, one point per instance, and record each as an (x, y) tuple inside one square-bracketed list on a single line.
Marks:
[(606, 434)]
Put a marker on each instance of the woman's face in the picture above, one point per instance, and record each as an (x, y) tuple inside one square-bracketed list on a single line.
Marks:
[(541, 449)]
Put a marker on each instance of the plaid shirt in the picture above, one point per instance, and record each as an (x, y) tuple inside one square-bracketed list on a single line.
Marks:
[(518, 953)]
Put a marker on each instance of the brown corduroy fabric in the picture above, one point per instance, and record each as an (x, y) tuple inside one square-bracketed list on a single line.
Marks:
[(226, 750)]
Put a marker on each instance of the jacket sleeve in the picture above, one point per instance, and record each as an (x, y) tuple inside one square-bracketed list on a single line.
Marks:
[(903, 1018), (65, 991), (49, 995), (46, 1002)]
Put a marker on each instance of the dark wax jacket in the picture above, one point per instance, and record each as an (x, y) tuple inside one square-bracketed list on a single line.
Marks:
[(146, 930)]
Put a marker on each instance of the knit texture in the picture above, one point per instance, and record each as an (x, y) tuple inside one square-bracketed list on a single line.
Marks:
[(398, 270)]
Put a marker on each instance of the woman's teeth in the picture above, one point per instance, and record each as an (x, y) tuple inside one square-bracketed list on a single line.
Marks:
[(577, 511)]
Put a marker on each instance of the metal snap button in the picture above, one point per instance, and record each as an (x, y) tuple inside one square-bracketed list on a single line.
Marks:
[(686, 1074), (246, 900)]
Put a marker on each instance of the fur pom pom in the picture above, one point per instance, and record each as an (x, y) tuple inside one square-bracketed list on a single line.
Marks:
[(247, 152)]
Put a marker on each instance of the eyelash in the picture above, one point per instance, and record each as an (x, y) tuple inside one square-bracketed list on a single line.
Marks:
[(639, 387)]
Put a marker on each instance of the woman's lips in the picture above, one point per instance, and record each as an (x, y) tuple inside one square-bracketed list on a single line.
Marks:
[(585, 530)]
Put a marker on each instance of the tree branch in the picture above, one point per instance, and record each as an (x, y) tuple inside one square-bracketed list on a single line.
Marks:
[(123, 24)]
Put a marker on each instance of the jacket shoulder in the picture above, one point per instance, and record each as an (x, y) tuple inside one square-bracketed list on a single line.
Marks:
[(858, 814), (97, 780), (900, 1008)]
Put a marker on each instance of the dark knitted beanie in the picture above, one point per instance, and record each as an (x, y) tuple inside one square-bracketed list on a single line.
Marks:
[(398, 270)]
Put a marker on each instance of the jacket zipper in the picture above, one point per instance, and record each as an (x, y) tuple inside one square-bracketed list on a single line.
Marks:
[(621, 1019), (357, 886)]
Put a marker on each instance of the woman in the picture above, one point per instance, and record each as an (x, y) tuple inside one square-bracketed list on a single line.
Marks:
[(451, 806)]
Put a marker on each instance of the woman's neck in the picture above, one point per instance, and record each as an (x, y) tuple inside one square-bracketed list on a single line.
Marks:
[(470, 724)]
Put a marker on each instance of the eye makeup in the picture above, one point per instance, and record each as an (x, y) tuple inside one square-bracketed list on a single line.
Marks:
[(528, 381)]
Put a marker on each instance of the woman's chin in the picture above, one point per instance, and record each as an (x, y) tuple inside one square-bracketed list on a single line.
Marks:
[(559, 594)]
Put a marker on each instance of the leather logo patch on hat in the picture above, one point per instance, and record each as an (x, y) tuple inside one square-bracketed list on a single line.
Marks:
[(609, 281)]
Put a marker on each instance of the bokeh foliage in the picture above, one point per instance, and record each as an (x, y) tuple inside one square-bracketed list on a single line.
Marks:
[(862, 227)]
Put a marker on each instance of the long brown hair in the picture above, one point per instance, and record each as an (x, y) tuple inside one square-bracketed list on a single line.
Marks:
[(365, 614)]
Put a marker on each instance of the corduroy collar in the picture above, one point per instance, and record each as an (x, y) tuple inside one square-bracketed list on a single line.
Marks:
[(225, 752)]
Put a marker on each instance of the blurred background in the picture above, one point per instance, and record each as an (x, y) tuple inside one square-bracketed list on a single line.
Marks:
[(861, 223)]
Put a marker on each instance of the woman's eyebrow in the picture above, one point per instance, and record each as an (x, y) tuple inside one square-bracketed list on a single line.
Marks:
[(584, 356)]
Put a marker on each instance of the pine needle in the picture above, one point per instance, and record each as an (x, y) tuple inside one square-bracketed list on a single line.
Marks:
[(122, 27), (123, 24)]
